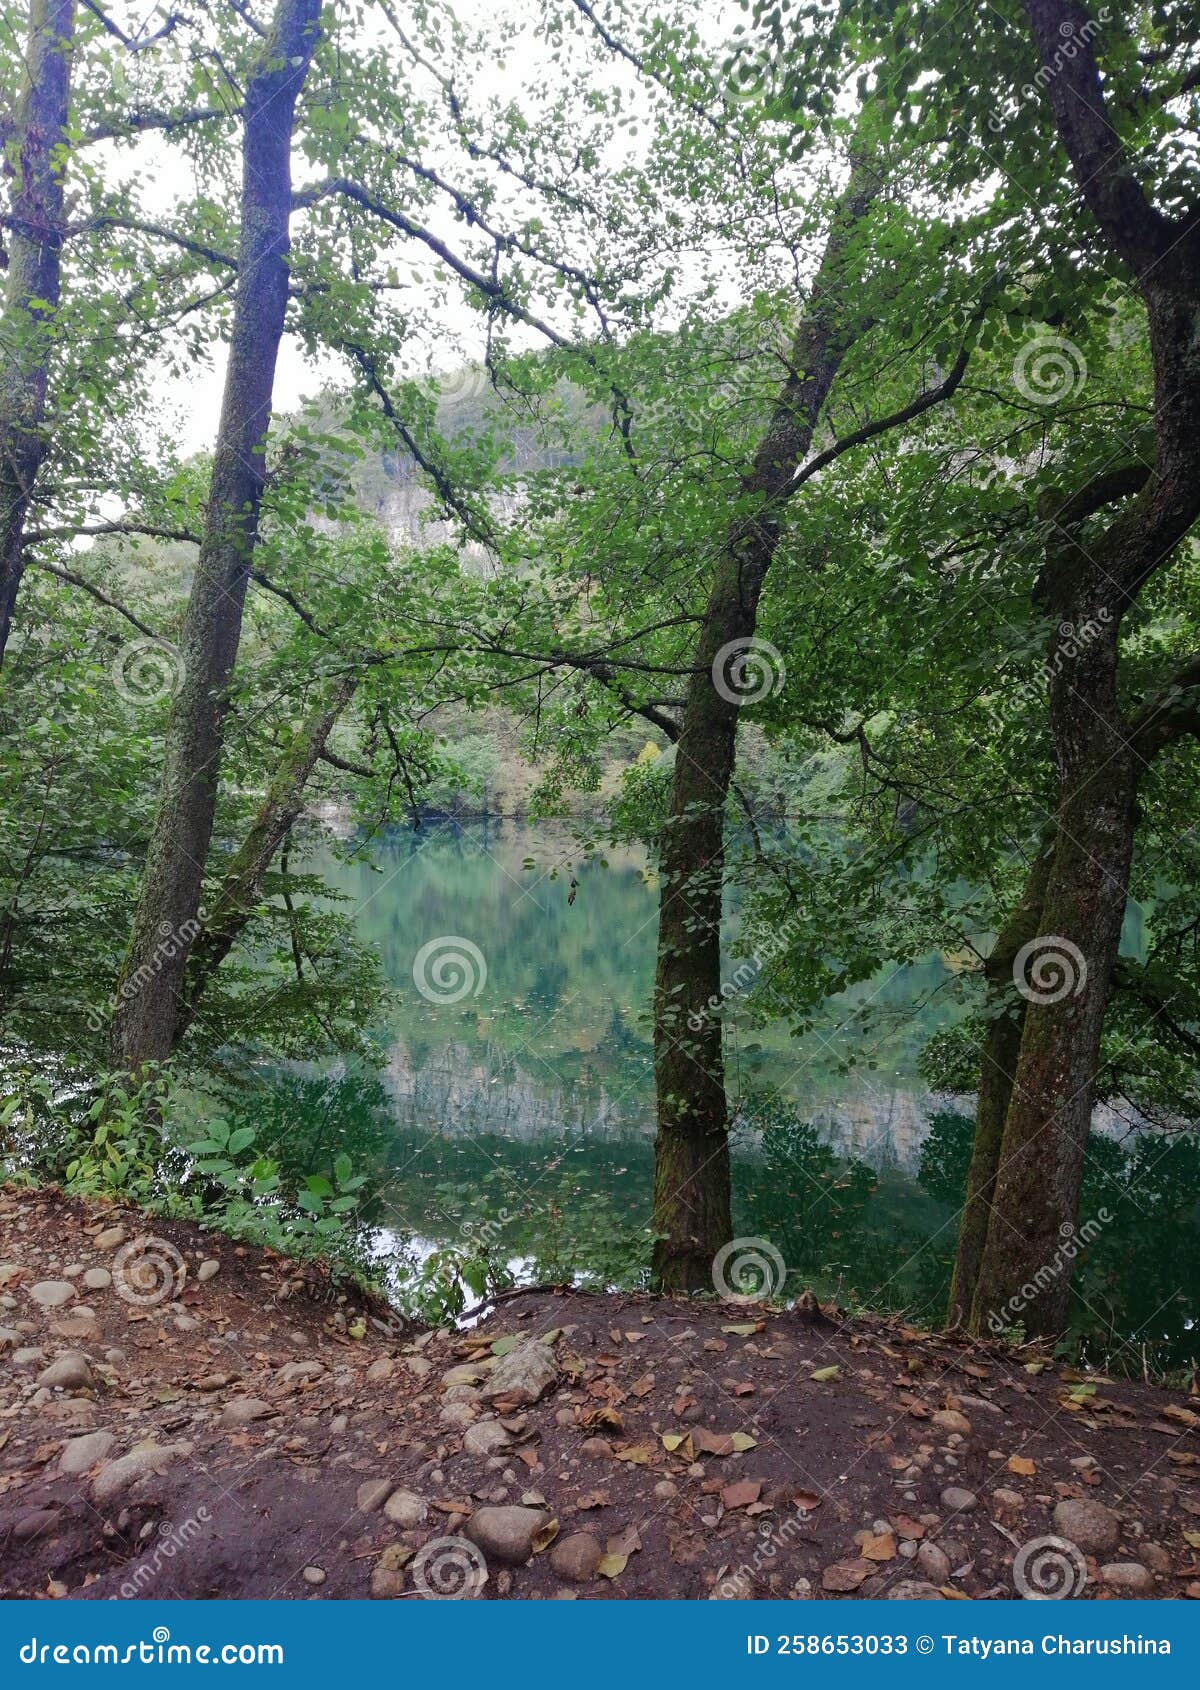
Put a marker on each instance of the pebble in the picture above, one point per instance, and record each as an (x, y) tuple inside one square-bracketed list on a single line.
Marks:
[(458, 1414), (314, 1575), (914, 1590), (575, 1558), (97, 1279), (380, 1370), (958, 1500), (110, 1238), (207, 1270), (933, 1562), (600, 1448), (293, 1371), (1087, 1524), (372, 1494), (80, 1455), (506, 1534), (79, 1323), (1156, 1557), (52, 1293), (69, 1373), (1129, 1577), (116, 1477), (240, 1411), (665, 1489), (9, 1337), (486, 1437), (405, 1508), (950, 1420), (35, 1523)]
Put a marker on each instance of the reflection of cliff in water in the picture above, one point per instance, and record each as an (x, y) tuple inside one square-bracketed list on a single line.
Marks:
[(467, 1090)]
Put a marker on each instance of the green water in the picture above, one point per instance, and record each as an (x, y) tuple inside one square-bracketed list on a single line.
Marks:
[(526, 1105)]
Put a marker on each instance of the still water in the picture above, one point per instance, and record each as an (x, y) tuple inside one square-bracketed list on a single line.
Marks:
[(517, 1094)]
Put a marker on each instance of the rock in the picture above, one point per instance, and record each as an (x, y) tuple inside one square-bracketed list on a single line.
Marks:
[(110, 1238), (116, 1477), (386, 1583), (208, 1270), (458, 1414), (240, 1411), (486, 1437), (933, 1562), (1128, 1577), (82, 1454), (292, 1372), (418, 1366), (950, 1420), (97, 1279), (958, 1500), (467, 1374), (28, 1354), (313, 1575), (957, 1552), (1088, 1525), (524, 1374), (665, 1489), (506, 1534), (80, 1323), (52, 1293), (461, 1393), (598, 1448), (914, 1590), (576, 1558), (35, 1523), (1008, 1502), (380, 1371), (1156, 1557), (69, 1373), (9, 1338), (372, 1494), (405, 1508)]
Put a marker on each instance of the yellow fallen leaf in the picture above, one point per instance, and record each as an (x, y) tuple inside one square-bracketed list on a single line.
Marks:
[(824, 1375), (1023, 1465), (742, 1441), (608, 1566), (545, 1536)]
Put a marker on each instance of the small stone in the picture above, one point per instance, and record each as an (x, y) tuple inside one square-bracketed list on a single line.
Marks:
[(380, 1370), (79, 1323), (564, 1417), (914, 1590), (28, 1354), (295, 1372), (110, 1238), (52, 1293), (69, 1373), (208, 1270), (9, 1338), (458, 1414), (240, 1411), (665, 1489), (950, 1420), (575, 1558), (1129, 1577), (598, 1448), (372, 1494), (82, 1454), (524, 1374), (386, 1583), (405, 1508), (1088, 1525), (1008, 1502), (486, 1437), (1156, 1557), (933, 1562), (506, 1534), (418, 1366), (97, 1279), (958, 1500), (35, 1523), (313, 1575), (118, 1476)]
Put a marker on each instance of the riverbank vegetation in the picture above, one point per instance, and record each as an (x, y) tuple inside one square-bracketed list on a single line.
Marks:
[(764, 443)]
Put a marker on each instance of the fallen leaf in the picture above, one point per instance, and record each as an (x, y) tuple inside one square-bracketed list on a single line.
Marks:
[(745, 1329), (643, 1386), (912, 1531), (1192, 1539), (742, 1493), (824, 1375), (742, 1441), (1184, 1416), (639, 1455), (593, 1499), (544, 1536), (879, 1546), (807, 1500), (609, 1566), (846, 1575), (634, 1337)]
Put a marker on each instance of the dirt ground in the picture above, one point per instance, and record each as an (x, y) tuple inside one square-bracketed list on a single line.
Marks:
[(250, 1433)]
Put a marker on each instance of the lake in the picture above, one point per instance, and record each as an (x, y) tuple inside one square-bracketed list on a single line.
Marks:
[(516, 1105)]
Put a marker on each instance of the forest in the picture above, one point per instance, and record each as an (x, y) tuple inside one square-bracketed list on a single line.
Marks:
[(600, 651)]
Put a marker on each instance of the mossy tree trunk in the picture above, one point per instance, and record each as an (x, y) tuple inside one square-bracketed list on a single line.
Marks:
[(150, 990), (37, 147)]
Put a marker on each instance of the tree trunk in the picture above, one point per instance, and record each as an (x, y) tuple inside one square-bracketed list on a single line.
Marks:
[(1025, 1270), (239, 889), (691, 1165), (999, 1053), (150, 988), (38, 148)]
